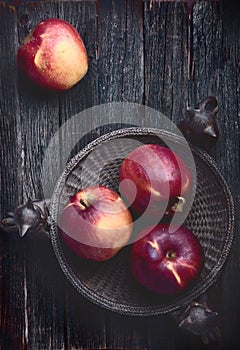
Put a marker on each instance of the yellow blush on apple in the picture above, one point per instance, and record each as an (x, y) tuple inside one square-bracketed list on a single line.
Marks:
[(53, 55)]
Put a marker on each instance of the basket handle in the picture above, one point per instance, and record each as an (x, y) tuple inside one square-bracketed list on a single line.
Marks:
[(31, 217), (199, 319), (199, 125)]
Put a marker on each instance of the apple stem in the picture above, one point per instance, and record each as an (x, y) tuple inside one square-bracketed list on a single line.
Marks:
[(170, 254), (84, 204), (179, 204)]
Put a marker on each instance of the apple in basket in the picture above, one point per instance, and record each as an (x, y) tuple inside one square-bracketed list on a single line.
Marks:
[(53, 55), (166, 261), (152, 178), (95, 223)]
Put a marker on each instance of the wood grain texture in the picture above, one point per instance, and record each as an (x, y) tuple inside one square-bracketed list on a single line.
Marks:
[(165, 57), (12, 328), (138, 52), (216, 72), (44, 285)]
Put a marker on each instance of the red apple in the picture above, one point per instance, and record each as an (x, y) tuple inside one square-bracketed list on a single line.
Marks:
[(166, 262), (53, 55), (96, 223), (151, 177)]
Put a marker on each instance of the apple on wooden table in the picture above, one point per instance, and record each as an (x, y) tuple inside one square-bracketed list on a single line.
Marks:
[(53, 55)]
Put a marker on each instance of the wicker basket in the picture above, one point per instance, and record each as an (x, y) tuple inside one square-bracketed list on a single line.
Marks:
[(110, 283)]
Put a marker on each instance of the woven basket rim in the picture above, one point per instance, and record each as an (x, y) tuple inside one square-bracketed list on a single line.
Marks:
[(132, 310)]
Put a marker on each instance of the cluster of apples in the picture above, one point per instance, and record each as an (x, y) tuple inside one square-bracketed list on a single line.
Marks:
[(97, 222)]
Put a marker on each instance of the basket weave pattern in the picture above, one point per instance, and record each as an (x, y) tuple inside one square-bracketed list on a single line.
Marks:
[(110, 283)]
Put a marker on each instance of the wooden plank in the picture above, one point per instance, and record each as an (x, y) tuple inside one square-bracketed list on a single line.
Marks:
[(12, 326), (166, 53), (216, 63), (10, 150), (207, 52), (120, 50), (39, 110), (44, 285), (85, 322), (126, 332)]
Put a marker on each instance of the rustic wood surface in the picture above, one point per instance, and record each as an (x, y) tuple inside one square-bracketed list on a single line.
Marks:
[(138, 52)]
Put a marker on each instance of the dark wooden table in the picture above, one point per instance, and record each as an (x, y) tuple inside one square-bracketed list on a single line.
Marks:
[(146, 52)]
